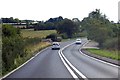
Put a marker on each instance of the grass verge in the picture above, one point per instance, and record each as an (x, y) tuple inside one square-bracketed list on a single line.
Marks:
[(105, 53), (31, 50)]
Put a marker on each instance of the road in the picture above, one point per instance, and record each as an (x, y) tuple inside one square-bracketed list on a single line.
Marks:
[(49, 65), (89, 67)]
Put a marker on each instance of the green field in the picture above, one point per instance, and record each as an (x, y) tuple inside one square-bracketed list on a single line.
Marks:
[(105, 53), (32, 34)]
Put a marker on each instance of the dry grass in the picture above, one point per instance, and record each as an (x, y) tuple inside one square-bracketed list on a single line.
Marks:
[(31, 49), (32, 34)]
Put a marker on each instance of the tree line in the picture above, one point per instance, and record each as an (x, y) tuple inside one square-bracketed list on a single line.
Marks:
[(101, 30)]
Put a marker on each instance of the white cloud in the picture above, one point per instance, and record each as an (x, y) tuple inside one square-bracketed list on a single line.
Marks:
[(44, 9)]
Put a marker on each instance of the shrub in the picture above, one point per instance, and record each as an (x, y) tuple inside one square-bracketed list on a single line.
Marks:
[(12, 47), (64, 36), (53, 37), (111, 43)]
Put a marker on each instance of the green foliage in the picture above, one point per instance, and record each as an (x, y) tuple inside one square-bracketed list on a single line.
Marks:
[(67, 27), (64, 35), (111, 43), (45, 26), (15, 49), (12, 46), (105, 53), (53, 37), (10, 31), (39, 26), (99, 28)]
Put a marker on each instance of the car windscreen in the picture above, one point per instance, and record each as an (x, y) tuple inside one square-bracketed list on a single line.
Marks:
[(56, 44), (78, 40)]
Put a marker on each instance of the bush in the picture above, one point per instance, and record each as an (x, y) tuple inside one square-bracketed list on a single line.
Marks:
[(64, 36), (12, 47), (59, 39), (111, 43), (53, 37)]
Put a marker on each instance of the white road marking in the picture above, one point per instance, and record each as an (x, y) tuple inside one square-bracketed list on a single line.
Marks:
[(74, 67), (23, 64), (66, 65), (98, 59), (70, 64), (84, 77)]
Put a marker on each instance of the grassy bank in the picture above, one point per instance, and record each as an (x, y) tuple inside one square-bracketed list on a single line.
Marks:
[(33, 43), (32, 34), (105, 53), (31, 50)]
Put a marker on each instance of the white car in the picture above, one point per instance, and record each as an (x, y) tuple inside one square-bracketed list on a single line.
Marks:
[(55, 45), (78, 41)]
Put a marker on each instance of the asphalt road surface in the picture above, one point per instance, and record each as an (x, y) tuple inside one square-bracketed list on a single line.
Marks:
[(46, 65), (89, 67), (49, 65)]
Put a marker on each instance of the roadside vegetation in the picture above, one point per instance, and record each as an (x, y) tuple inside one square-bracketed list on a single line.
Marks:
[(17, 49), (103, 31), (105, 53)]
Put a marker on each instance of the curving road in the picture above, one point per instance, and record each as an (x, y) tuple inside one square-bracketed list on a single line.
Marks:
[(89, 67), (46, 65), (49, 65)]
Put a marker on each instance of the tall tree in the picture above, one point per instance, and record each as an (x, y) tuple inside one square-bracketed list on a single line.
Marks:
[(98, 27), (68, 27)]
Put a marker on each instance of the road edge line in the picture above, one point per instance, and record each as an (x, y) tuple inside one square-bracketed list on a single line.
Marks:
[(23, 64), (96, 58)]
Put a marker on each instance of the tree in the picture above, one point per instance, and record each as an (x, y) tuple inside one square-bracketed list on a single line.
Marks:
[(39, 26), (98, 27), (16, 20), (49, 25), (68, 27)]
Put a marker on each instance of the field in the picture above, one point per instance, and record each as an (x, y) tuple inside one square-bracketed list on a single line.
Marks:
[(105, 53), (32, 34)]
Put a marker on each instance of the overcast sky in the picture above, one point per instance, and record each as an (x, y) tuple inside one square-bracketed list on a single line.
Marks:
[(45, 9)]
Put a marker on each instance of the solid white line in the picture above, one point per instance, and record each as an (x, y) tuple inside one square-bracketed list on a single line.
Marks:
[(75, 69), (23, 64), (66, 65), (98, 59)]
